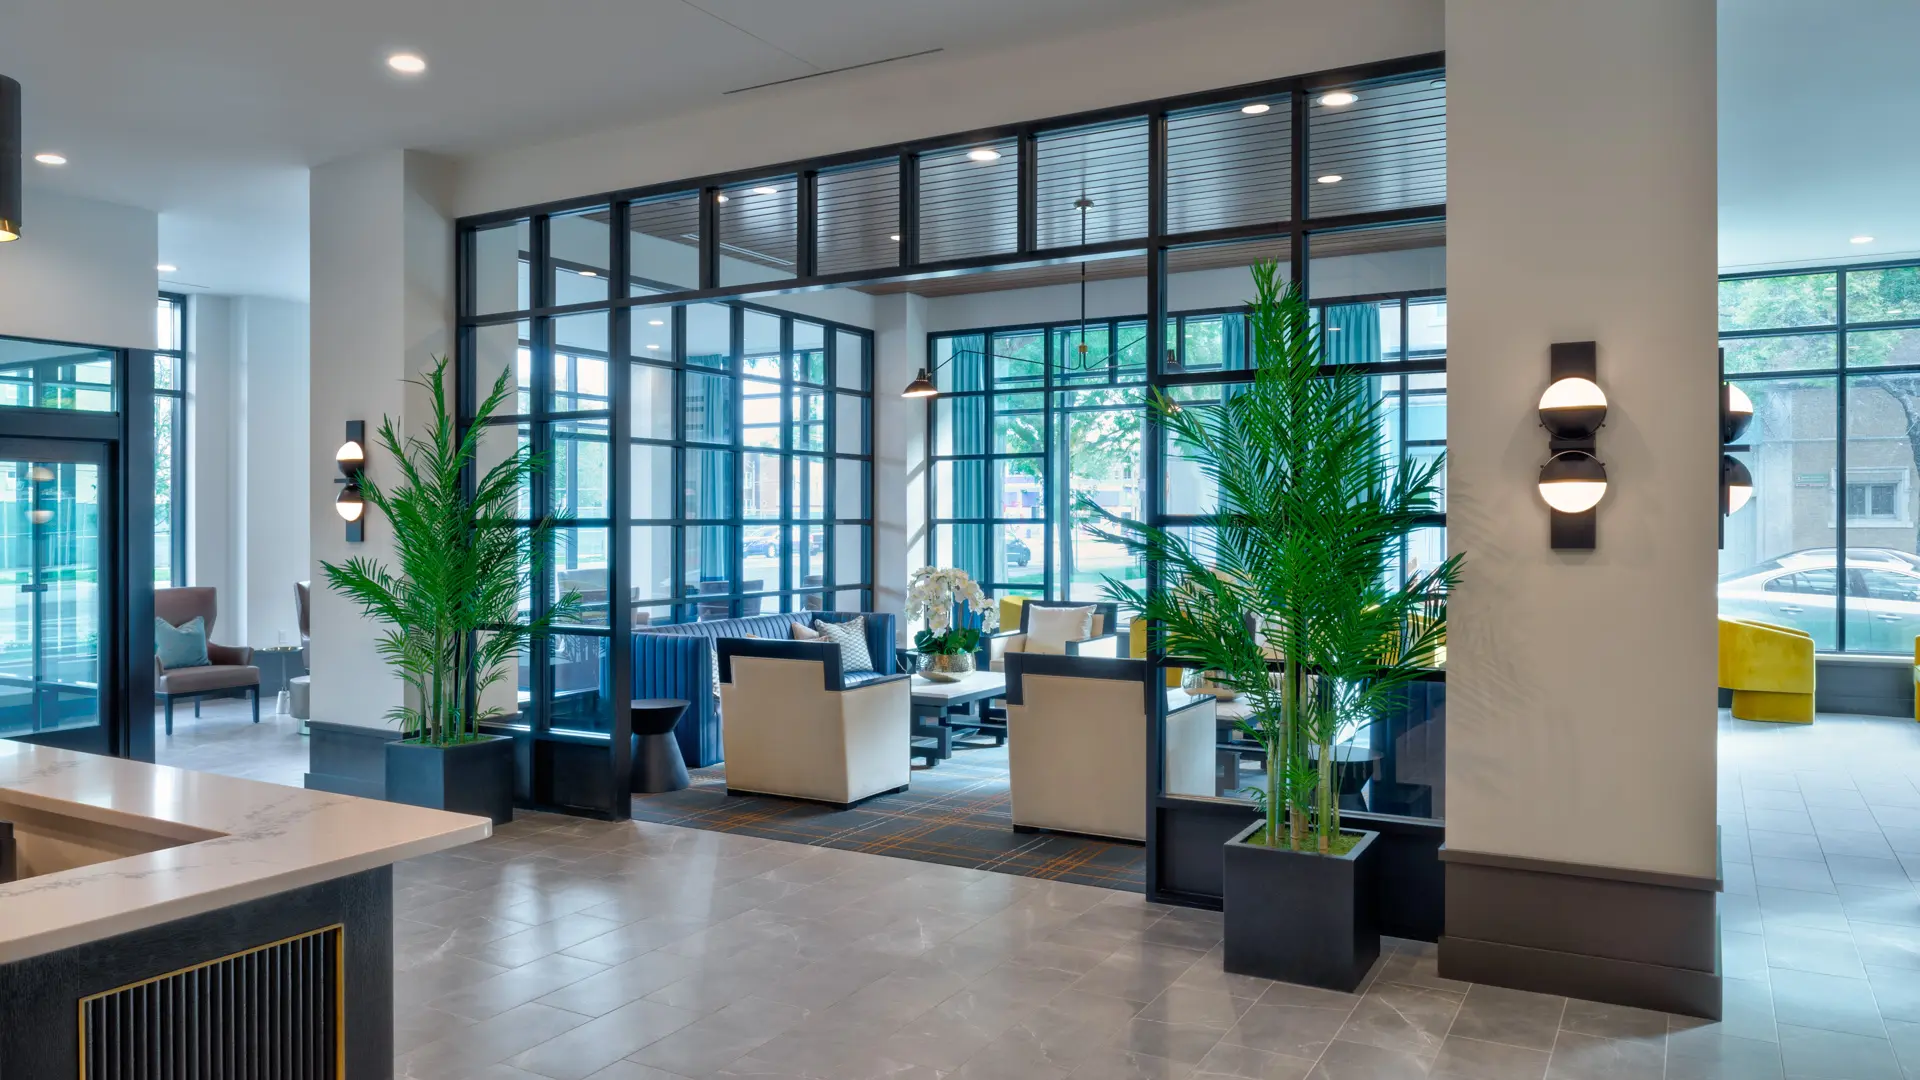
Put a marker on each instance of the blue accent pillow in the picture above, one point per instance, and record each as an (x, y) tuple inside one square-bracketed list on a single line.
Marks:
[(181, 646)]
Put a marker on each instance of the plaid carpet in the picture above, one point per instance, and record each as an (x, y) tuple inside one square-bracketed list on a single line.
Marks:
[(958, 813)]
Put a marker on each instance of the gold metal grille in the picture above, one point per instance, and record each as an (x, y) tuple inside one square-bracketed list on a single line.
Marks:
[(276, 1012)]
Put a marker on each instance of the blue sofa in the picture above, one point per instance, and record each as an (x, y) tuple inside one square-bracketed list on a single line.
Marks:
[(676, 661)]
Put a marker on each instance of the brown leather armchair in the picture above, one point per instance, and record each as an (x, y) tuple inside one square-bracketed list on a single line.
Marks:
[(231, 668)]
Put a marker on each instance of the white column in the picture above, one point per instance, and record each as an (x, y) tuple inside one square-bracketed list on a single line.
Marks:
[(382, 308), (899, 447), (1581, 206)]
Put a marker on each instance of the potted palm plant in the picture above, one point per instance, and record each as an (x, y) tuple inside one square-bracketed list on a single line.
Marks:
[(1291, 600), (452, 608)]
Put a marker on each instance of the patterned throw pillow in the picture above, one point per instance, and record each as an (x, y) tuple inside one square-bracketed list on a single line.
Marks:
[(851, 636), (181, 646)]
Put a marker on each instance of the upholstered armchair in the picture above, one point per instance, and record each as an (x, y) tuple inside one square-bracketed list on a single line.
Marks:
[(1041, 632), (303, 614), (799, 726), (1770, 670), (230, 668), (1077, 744)]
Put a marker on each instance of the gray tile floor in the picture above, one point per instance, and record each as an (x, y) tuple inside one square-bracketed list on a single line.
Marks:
[(564, 949)]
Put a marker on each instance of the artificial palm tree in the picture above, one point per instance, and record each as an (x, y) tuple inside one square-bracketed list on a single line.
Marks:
[(1289, 600), (453, 607)]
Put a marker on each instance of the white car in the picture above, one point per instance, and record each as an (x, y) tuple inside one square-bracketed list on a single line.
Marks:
[(1800, 590)]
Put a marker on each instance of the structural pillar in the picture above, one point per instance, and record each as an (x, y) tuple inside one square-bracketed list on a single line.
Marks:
[(1581, 850)]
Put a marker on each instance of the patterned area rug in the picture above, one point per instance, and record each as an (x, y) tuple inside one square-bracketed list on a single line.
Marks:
[(958, 813)]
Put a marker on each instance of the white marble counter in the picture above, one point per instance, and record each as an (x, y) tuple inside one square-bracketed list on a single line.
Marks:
[(244, 840)]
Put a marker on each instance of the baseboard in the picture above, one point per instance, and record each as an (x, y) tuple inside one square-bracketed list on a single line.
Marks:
[(1593, 978), (1628, 937)]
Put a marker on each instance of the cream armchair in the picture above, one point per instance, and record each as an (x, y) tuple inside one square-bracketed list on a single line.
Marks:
[(798, 726), (1040, 633), (1077, 744)]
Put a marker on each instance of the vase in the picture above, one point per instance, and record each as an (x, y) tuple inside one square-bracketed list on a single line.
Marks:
[(947, 667)]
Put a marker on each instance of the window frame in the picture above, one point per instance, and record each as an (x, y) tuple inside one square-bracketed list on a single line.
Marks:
[(178, 463)]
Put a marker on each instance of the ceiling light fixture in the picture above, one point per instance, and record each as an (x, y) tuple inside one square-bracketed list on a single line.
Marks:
[(407, 63), (10, 178), (50, 158), (766, 191), (656, 322), (1332, 178), (720, 198), (921, 386), (1256, 108), (588, 273), (984, 153), (656, 348), (1859, 239), (167, 268), (895, 237), (1338, 99)]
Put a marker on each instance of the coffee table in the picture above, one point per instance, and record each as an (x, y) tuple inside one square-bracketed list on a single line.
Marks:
[(939, 707)]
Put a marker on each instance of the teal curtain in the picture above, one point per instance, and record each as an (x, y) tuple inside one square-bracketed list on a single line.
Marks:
[(1350, 333), (713, 424), (1233, 342), (967, 378)]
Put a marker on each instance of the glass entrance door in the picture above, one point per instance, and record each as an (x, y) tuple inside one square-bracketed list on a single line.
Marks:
[(51, 596)]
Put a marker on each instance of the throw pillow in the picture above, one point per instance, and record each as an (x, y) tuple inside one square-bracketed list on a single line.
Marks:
[(851, 636), (181, 646), (801, 632), (1050, 628)]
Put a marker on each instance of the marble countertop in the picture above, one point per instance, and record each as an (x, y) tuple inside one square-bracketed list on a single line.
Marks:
[(270, 839)]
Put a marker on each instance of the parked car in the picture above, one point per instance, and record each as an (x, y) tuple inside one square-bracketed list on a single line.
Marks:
[(1800, 590), (1018, 553), (762, 542)]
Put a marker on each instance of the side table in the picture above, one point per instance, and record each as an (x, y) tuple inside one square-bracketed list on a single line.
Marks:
[(657, 764), (277, 666)]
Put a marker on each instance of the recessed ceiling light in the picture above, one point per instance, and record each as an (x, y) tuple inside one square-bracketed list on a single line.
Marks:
[(1860, 240), (1256, 108), (1331, 178), (1438, 84), (407, 63), (653, 346), (167, 268), (656, 322), (895, 237), (984, 153), (720, 198), (50, 159), (1338, 98), (766, 191), (587, 273)]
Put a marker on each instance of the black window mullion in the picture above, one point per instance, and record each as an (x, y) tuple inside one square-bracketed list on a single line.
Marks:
[(540, 439), (1841, 394), (736, 556), (789, 513)]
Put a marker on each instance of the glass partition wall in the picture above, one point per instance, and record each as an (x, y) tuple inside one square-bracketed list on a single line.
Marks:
[(1827, 544), (714, 397)]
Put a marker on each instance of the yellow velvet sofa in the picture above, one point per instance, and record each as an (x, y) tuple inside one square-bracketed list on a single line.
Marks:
[(1769, 669)]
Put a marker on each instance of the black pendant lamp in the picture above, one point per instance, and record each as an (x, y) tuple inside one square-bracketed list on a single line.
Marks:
[(9, 159)]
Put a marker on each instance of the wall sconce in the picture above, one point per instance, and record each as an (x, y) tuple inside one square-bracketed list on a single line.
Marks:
[(1736, 480), (1573, 481), (351, 459)]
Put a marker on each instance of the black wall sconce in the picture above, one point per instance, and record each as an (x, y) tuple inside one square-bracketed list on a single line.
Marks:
[(1573, 481), (352, 461), (1736, 480)]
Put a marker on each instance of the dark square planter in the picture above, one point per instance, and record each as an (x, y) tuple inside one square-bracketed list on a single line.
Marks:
[(466, 778), (1300, 917)]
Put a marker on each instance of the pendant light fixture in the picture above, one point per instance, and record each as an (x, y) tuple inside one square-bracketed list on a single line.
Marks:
[(10, 177)]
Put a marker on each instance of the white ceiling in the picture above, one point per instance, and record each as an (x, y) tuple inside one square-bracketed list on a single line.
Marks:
[(1819, 130), (210, 111)]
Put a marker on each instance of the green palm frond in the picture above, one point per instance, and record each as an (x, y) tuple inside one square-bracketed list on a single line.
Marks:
[(1285, 596), (451, 602)]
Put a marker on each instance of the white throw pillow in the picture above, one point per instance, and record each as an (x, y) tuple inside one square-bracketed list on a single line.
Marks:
[(801, 632), (1050, 628)]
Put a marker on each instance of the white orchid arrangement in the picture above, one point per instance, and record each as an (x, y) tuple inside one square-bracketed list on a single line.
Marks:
[(936, 594)]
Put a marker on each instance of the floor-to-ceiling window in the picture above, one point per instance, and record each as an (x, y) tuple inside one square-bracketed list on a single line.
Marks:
[(1027, 424), (1827, 544), (170, 440)]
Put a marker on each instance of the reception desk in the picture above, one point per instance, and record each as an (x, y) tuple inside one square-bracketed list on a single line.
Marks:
[(169, 925)]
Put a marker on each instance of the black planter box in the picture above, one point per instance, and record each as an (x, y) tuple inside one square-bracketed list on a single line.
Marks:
[(1297, 916), (466, 778)]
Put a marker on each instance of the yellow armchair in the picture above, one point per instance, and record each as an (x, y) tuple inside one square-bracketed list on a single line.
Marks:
[(1010, 611), (1769, 669), (1137, 649)]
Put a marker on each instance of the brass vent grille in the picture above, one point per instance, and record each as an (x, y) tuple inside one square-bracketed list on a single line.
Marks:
[(271, 1013)]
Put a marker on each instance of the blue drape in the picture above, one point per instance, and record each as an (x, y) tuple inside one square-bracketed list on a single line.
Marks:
[(971, 491), (1350, 334)]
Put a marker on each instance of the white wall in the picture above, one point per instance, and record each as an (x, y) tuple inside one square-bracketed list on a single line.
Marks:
[(82, 271), (247, 451), (899, 449), (1581, 206), (1107, 65), (382, 277)]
